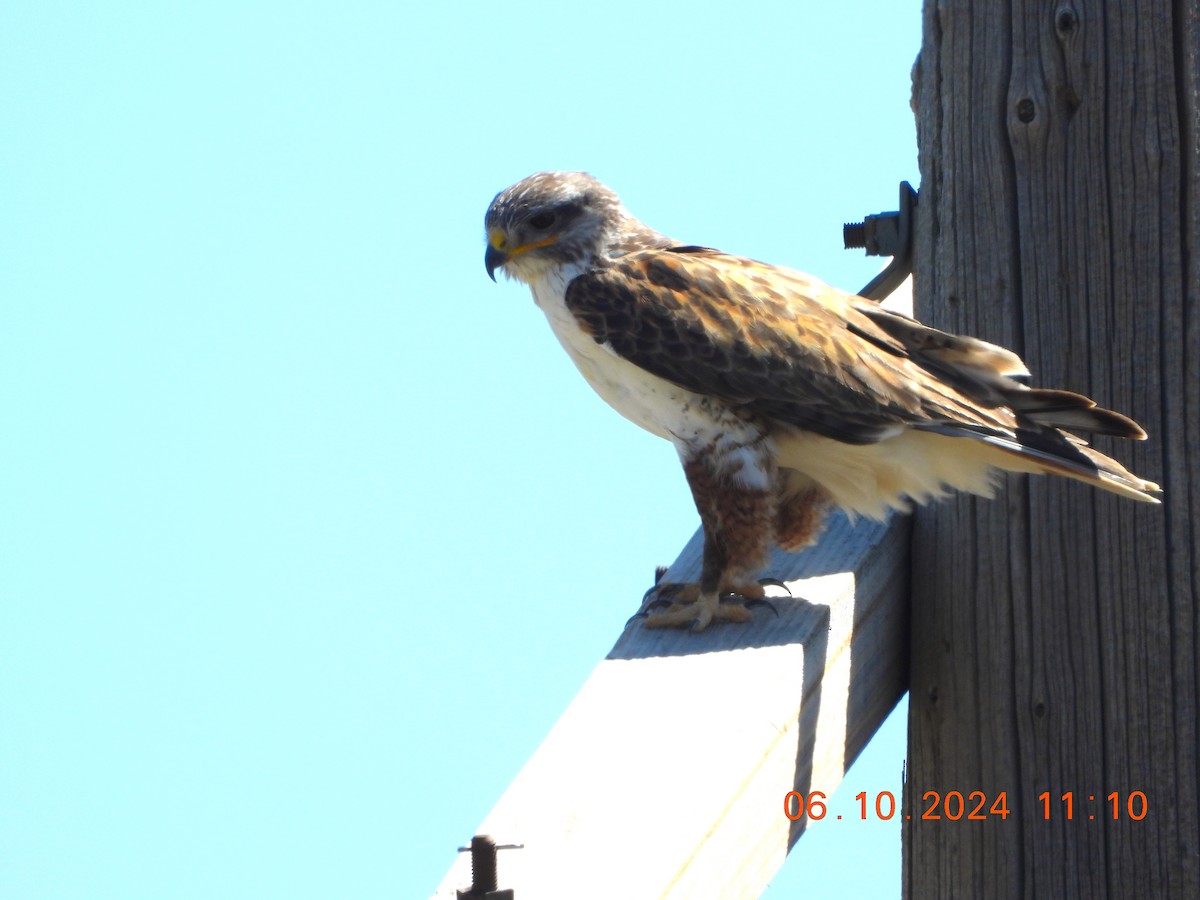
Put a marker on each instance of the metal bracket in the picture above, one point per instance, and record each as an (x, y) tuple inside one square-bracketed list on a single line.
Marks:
[(886, 234), (483, 869)]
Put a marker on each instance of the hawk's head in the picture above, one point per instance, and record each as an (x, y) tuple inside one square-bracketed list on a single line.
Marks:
[(557, 218)]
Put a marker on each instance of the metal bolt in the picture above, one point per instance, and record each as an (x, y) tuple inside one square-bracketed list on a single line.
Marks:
[(484, 879), (854, 235), (886, 234), (483, 863), (879, 235)]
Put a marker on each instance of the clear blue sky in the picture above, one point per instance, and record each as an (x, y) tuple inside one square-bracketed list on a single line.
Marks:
[(308, 531)]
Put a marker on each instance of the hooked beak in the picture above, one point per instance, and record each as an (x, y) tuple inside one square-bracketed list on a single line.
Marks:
[(499, 252), (493, 259)]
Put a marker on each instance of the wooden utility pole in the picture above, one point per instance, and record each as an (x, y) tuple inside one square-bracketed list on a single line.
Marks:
[(1055, 629)]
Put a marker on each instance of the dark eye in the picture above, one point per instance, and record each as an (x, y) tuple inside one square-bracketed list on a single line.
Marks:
[(542, 221)]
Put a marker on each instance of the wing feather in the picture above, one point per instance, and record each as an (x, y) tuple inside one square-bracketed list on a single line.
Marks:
[(778, 344)]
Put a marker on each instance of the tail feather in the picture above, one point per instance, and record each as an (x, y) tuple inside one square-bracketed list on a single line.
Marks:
[(1066, 409), (1032, 427), (1048, 451)]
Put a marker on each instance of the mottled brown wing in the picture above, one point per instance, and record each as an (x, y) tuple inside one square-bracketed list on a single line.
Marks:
[(779, 344)]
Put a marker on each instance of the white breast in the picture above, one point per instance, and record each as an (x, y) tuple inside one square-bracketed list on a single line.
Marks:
[(662, 408)]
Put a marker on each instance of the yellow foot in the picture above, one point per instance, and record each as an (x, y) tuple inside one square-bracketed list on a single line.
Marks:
[(686, 607)]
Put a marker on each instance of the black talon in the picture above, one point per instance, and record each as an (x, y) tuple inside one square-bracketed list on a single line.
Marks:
[(663, 592), (750, 602), (654, 603), (762, 601), (775, 582), (657, 597), (659, 572)]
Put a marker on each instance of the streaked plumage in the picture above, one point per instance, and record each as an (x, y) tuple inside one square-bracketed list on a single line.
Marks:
[(782, 395)]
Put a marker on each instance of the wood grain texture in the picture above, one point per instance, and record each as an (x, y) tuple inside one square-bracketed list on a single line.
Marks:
[(666, 776), (1055, 629)]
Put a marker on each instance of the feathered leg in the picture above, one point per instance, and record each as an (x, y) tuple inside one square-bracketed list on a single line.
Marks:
[(800, 517), (735, 492)]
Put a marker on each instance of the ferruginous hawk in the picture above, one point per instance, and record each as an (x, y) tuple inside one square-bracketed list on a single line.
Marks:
[(783, 396)]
